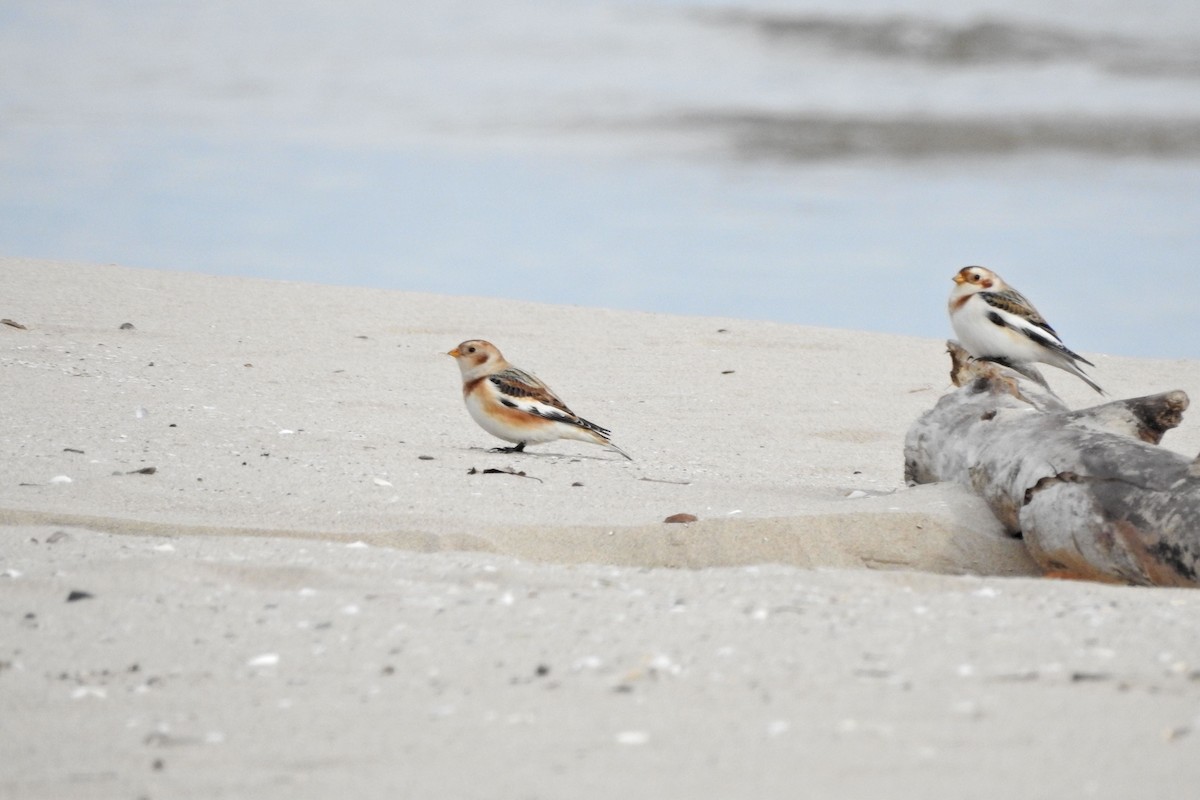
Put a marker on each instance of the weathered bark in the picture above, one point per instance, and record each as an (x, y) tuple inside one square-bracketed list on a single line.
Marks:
[(1088, 490)]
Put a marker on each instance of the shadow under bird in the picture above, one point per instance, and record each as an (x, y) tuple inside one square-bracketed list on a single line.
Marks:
[(515, 406)]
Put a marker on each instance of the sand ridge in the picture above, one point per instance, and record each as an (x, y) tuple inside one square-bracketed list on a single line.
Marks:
[(282, 406)]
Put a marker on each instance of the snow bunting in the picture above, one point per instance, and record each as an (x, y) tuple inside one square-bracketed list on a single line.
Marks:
[(513, 405), (993, 321)]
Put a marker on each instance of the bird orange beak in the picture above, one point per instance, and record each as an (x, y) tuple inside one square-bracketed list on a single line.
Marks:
[(959, 278), (454, 353)]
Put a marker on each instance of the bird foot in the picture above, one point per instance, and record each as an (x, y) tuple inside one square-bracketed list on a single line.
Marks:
[(517, 448)]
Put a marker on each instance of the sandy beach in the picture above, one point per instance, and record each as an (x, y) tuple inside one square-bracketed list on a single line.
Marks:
[(250, 546)]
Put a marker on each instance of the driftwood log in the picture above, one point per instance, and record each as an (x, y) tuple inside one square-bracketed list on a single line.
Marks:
[(1090, 491)]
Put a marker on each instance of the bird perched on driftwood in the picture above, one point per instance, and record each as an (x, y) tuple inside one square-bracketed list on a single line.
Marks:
[(994, 321), (513, 405)]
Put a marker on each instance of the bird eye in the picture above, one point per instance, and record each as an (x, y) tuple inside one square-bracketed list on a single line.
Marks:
[(470, 349)]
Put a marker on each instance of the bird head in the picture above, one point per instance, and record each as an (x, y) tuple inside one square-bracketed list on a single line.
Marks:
[(976, 279), (476, 358)]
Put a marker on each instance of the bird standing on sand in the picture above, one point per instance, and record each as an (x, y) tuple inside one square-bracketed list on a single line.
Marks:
[(513, 405), (993, 321)]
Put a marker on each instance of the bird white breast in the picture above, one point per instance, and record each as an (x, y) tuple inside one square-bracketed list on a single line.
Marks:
[(539, 431), (982, 337)]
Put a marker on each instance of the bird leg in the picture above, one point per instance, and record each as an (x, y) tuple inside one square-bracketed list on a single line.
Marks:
[(519, 447)]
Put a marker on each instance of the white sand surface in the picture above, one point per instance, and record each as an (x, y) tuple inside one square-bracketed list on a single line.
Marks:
[(313, 593)]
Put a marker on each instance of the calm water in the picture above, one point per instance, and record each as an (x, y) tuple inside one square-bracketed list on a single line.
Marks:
[(827, 163)]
